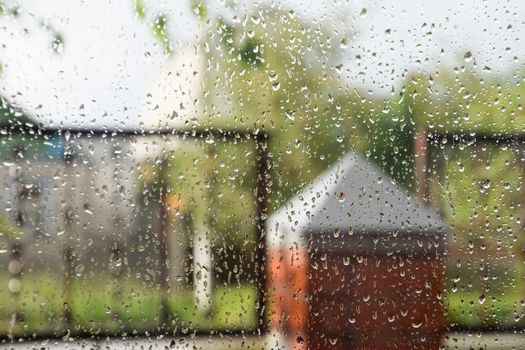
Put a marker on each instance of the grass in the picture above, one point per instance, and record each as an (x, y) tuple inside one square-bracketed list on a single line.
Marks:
[(467, 309), (102, 306)]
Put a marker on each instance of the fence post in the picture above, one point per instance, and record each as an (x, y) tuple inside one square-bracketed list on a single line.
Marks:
[(15, 270), (68, 253), (202, 245), (422, 162), (115, 269), (261, 214), (16, 248), (164, 258)]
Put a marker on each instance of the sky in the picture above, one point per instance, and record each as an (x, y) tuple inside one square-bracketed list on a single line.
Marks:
[(111, 64)]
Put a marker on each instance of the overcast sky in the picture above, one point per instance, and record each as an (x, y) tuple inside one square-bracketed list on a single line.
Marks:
[(110, 59)]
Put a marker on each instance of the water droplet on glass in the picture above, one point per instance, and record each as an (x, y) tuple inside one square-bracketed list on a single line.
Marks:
[(482, 298), (416, 324), (14, 285)]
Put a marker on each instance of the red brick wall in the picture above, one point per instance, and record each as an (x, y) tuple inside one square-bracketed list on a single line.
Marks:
[(374, 302), (337, 301)]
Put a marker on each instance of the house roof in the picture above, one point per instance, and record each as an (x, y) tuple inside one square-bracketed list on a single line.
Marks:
[(11, 116), (355, 195)]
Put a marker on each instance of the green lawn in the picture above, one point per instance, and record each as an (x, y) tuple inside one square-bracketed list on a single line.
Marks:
[(135, 307), (491, 311), (96, 307)]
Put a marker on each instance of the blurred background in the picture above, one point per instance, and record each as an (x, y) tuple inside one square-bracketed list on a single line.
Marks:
[(122, 213)]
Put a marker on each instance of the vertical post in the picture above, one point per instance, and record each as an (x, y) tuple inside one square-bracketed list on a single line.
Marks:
[(164, 260), (202, 266), (14, 286), (177, 242), (202, 251), (68, 254), (15, 263), (262, 192), (421, 149), (520, 241), (115, 269), (115, 256)]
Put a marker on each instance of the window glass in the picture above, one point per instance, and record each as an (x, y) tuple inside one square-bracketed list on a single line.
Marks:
[(286, 174)]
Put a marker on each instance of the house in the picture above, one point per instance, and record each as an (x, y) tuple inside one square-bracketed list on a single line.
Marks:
[(355, 261), (46, 175)]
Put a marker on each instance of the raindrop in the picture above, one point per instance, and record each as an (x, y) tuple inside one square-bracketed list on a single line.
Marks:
[(416, 324), (14, 285), (482, 298)]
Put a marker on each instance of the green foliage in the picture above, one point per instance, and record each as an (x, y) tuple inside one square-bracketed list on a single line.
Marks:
[(158, 25), (9, 10), (479, 185), (215, 183), (8, 229), (251, 52), (389, 133), (57, 43), (278, 83), (469, 101), (226, 34), (139, 8), (199, 9), (466, 310)]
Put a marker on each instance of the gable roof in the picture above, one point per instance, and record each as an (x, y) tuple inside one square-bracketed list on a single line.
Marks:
[(11, 116), (355, 195)]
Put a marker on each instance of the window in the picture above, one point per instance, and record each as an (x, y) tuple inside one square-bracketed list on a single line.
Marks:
[(270, 175)]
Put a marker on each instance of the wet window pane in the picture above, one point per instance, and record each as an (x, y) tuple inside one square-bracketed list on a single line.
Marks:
[(268, 175)]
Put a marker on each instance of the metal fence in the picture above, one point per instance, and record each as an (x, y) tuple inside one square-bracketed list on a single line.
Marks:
[(75, 208)]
